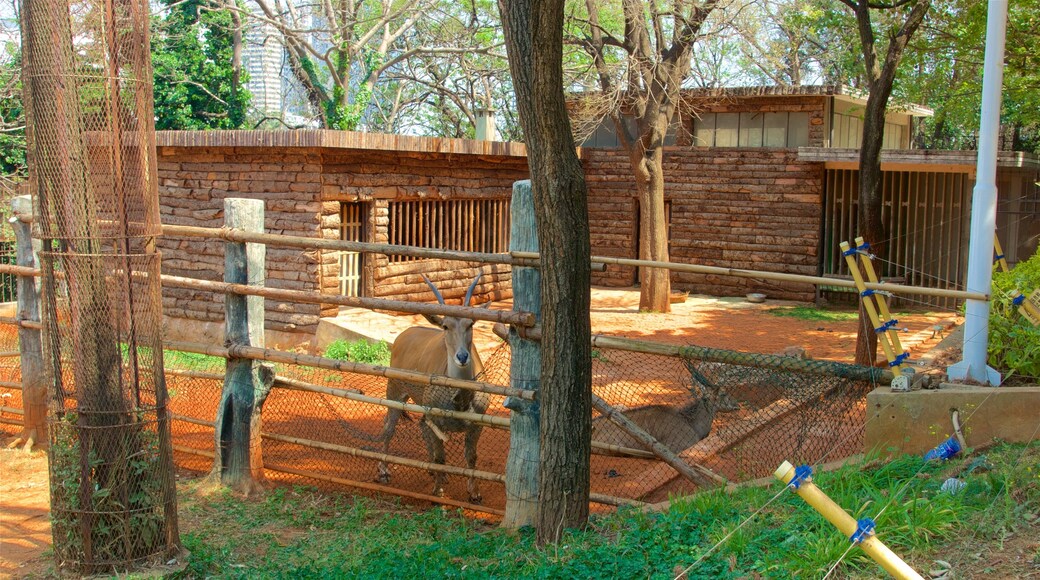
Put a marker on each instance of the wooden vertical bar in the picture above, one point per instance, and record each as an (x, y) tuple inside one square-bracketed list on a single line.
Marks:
[(522, 464), (247, 382), (30, 341)]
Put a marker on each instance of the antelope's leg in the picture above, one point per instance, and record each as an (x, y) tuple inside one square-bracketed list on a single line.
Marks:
[(435, 452), (472, 436)]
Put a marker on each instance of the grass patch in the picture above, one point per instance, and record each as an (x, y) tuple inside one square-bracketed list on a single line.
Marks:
[(361, 351), (300, 533), (810, 313), (193, 361)]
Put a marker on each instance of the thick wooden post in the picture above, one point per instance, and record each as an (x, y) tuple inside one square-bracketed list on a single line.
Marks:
[(522, 469), (30, 343), (238, 461)]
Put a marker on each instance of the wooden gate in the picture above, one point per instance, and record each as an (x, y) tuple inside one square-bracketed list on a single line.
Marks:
[(352, 229)]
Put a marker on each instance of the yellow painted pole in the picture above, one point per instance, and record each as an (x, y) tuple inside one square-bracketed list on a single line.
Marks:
[(1000, 254), (846, 524), (893, 335), (1027, 306), (869, 306)]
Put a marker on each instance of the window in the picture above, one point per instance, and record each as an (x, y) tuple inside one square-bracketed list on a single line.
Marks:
[(468, 225), (751, 129)]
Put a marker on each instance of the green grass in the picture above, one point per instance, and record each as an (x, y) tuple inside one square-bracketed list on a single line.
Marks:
[(811, 313), (300, 533), (361, 351), (193, 361)]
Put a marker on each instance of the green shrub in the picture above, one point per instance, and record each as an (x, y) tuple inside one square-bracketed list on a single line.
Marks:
[(361, 351), (1014, 343)]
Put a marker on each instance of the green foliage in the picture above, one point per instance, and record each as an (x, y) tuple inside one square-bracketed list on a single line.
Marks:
[(1014, 343), (361, 351), (193, 361), (298, 533), (12, 113), (124, 509), (192, 49), (810, 313)]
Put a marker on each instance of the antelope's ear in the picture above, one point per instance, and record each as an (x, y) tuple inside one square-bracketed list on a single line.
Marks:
[(434, 319)]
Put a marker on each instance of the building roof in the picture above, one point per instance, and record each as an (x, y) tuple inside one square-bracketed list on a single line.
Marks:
[(841, 91)]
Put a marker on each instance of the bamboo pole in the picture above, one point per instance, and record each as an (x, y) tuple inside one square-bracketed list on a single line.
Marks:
[(12, 410), (11, 385), (11, 421), (385, 489), (782, 363), (868, 268), (695, 472), (21, 323), (306, 297), (872, 313), (1001, 260), (292, 358), (759, 274), (845, 523)]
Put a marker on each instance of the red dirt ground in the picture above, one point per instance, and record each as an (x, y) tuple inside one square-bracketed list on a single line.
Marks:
[(703, 321)]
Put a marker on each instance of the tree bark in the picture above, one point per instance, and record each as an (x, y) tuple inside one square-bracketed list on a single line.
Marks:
[(881, 77), (534, 40), (655, 283)]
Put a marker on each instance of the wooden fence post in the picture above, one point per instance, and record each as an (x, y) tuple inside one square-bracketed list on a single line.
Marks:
[(30, 343), (522, 467), (238, 461)]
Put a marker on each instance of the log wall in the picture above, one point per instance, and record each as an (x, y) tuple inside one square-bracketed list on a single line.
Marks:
[(730, 207), (302, 187)]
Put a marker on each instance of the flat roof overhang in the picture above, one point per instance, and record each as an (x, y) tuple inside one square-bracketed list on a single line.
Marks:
[(921, 160)]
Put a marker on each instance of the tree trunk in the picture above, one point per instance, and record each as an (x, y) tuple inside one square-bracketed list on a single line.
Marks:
[(534, 40), (654, 283), (871, 227)]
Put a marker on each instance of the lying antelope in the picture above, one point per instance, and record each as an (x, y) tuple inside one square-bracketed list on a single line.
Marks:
[(446, 350)]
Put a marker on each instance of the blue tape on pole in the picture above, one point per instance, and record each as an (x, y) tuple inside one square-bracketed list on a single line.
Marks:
[(998, 258), (867, 292), (864, 528), (865, 246), (850, 251), (801, 474), (1018, 300), (887, 326), (899, 359)]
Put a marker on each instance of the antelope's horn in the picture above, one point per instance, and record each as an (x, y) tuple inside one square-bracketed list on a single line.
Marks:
[(469, 291), (436, 292)]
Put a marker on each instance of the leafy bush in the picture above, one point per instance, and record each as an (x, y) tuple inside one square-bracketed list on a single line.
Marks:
[(1014, 343), (361, 351)]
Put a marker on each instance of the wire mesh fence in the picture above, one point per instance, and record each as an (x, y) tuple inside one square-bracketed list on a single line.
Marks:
[(738, 420), (90, 135)]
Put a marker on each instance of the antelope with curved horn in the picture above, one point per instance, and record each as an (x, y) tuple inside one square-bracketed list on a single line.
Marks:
[(446, 350)]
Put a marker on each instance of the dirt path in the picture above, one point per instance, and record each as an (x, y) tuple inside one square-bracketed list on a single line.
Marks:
[(25, 528)]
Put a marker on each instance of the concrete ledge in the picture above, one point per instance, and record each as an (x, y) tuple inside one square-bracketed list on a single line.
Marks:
[(189, 330), (917, 421)]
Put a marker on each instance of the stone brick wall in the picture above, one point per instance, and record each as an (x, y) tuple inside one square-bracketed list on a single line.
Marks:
[(193, 182), (381, 177), (302, 188), (739, 208)]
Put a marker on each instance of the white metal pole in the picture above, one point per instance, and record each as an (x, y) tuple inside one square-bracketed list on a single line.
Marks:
[(984, 206)]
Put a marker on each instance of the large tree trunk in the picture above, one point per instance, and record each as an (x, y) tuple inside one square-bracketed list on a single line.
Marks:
[(654, 283), (871, 226), (534, 40)]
